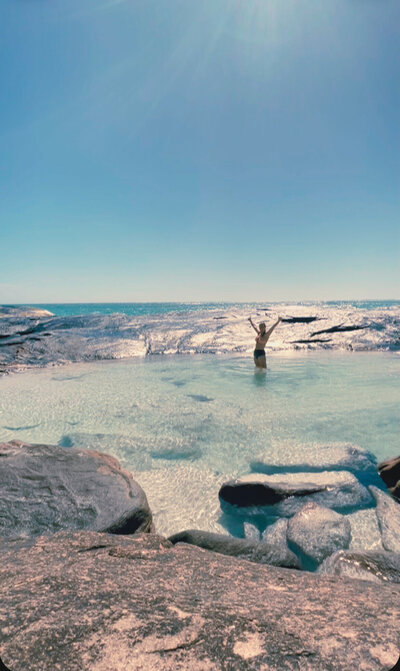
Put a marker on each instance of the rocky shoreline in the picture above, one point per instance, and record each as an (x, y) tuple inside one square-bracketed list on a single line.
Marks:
[(31, 337), (88, 583)]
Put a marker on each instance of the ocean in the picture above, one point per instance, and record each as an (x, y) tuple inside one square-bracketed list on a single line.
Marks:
[(141, 309)]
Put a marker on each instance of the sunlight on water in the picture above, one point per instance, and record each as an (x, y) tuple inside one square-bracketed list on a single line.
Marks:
[(183, 425)]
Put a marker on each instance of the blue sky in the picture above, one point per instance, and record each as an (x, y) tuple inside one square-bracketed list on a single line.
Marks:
[(213, 150)]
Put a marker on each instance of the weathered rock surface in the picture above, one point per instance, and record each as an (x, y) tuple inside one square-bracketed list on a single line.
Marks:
[(259, 552), (388, 514), (285, 493), (251, 532), (276, 533), (390, 473), (376, 566), (94, 602), (318, 531), (365, 534), (45, 488), (319, 457)]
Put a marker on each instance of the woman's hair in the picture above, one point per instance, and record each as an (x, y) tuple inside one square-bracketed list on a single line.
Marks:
[(261, 324)]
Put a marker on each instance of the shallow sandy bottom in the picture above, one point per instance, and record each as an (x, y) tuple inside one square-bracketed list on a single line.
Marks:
[(183, 425)]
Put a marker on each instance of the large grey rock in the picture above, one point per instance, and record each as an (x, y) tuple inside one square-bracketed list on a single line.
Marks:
[(318, 531), (315, 457), (44, 488), (94, 602), (375, 566), (285, 493), (259, 552), (388, 514)]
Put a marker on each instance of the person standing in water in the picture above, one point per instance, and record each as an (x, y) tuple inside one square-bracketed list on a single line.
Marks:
[(261, 340)]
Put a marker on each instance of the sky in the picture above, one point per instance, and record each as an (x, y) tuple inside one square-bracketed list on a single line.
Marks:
[(236, 150)]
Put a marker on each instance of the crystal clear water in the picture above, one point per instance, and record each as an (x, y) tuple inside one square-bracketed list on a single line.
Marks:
[(141, 309), (183, 425)]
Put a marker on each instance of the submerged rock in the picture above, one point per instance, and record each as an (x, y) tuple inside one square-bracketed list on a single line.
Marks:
[(388, 514), (45, 488), (176, 450), (374, 566), (259, 552), (284, 494), (318, 531), (91, 601), (315, 457), (127, 448)]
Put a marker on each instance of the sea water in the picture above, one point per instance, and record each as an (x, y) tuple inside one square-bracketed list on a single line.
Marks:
[(149, 308), (185, 424)]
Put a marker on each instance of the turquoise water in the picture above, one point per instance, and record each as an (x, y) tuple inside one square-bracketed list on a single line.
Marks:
[(183, 425), (219, 403), (140, 309)]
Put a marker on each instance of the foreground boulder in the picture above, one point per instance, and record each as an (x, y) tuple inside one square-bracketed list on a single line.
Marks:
[(390, 473), (110, 603), (376, 566), (318, 531), (46, 488), (388, 514), (261, 553), (284, 494)]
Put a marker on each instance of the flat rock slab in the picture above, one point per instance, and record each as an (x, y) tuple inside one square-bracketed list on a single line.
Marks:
[(318, 531), (375, 566), (388, 514), (260, 552), (96, 602), (285, 493), (311, 458), (45, 488)]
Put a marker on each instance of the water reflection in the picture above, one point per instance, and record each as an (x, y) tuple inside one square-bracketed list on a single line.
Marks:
[(260, 377)]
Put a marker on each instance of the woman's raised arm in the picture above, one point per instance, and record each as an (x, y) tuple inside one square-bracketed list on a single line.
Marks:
[(268, 333), (253, 325)]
